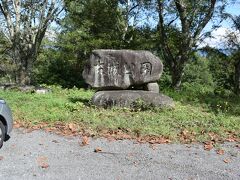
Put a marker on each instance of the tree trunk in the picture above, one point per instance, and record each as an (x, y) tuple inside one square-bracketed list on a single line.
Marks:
[(23, 77), (237, 77), (177, 73), (23, 74)]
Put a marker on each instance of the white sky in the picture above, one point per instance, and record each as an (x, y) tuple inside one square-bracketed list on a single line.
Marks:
[(218, 40)]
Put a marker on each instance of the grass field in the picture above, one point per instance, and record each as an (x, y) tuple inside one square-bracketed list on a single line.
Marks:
[(194, 118)]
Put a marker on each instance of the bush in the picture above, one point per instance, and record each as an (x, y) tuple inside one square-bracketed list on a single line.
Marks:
[(197, 71)]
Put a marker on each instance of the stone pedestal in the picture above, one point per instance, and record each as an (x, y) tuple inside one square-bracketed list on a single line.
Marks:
[(153, 87), (127, 98)]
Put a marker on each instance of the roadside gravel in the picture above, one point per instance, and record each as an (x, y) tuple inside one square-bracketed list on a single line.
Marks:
[(42, 155)]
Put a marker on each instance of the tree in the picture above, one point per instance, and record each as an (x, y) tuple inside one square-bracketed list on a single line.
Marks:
[(181, 23), (234, 44), (221, 67), (88, 25), (25, 23), (133, 13), (6, 65)]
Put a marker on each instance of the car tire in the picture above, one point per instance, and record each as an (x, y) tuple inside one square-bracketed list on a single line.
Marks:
[(2, 133)]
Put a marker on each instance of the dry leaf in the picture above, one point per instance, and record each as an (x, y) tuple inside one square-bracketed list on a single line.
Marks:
[(226, 160), (35, 128), (220, 152), (98, 149), (72, 127), (44, 165), (16, 125), (185, 132), (55, 141), (1, 158), (43, 162), (85, 141), (208, 146), (231, 139)]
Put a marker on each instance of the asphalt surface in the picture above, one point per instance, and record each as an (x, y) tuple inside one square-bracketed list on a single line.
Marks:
[(42, 155)]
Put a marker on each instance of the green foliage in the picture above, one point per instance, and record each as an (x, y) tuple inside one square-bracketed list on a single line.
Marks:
[(58, 68), (140, 105), (222, 69), (198, 71), (197, 76), (7, 67), (87, 25)]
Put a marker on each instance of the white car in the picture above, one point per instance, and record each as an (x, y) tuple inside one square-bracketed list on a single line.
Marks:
[(6, 121)]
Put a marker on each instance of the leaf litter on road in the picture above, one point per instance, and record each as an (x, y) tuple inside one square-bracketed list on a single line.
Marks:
[(85, 141), (98, 149), (42, 162), (208, 145), (220, 152)]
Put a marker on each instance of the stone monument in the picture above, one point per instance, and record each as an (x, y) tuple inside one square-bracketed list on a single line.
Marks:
[(125, 76)]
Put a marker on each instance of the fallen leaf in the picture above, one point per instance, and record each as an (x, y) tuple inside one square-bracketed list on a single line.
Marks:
[(35, 128), (231, 139), (208, 146), (1, 158), (55, 141), (85, 141), (220, 152), (43, 162), (226, 160), (72, 127), (185, 132), (45, 165), (98, 149), (28, 130), (17, 124), (212, 136)]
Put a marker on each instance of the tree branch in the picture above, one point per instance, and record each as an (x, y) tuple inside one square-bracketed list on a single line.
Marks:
[(166, 50), (4, 9), (205, 20)]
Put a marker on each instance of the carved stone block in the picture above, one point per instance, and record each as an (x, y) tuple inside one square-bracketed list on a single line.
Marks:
[(120, 69)]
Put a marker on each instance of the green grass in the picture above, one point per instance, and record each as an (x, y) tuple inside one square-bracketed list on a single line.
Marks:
[(198, 116)]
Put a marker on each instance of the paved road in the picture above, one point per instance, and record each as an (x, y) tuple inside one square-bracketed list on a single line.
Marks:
[(25, 155)]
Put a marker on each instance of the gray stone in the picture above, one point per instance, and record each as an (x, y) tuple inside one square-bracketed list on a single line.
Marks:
[(120, 69), (42, 91), (126, 98), (153, 87)]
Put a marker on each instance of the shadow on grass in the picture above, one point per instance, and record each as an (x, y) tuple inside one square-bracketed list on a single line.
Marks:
[(227, 104), (85, 101)]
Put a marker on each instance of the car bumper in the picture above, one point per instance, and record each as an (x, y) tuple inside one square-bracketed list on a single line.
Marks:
[(6, 113)]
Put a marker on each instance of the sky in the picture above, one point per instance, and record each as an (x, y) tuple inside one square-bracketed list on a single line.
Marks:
[(218, 40)]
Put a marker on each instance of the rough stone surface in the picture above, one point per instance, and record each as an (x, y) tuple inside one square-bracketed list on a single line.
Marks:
[(126, 98), (120, 69), (153, 87)]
